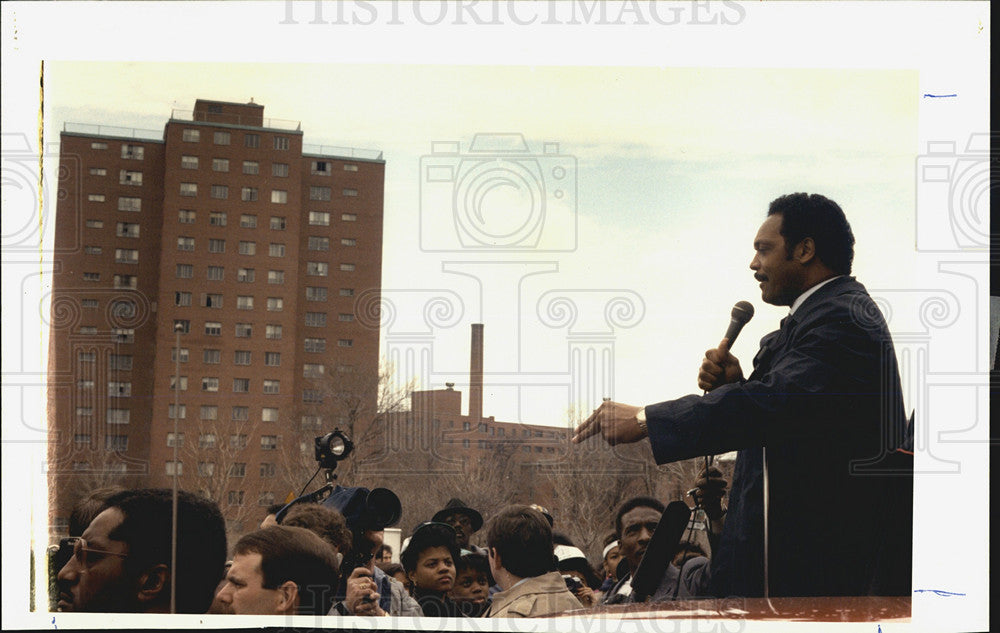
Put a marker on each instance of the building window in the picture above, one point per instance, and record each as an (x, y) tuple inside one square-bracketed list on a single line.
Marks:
[(185, 243), (241, 357), (219, 192), (348, 241), (189, 162), (315, 293), (316, 345), (320, 168), (127, 229), (126, 281), (206, 469), (275, 304), (312, 396), (279, 170), (213, 328), (347, 268), (251, 140), (349, 167), (178, 384), (117, 389), (349, 217), (317, 269), (128, 203), (209, 383), (216, 246), (98, 145), (238, 469), (175, 439), (251, 167), (184, 216), (86, 357), (117, 416), (319, 218), (281, 142), (174, 468), (120, 362), (220, 164), (345, 317), (87, 329), (320, 193), (211, 300), (123, 335), (316, 319), (345, 342), (190, 135), (126, 255), (95, 224), (272, 359), (241, 385), (184, 271), (248, 248), (275, 276), (81, 439), (211, 356), (244, 330), (244, 302), (267, 470), (240, 413), (248, 194), (132, 152), (91, 276), (272, 386), (179, 413), (465, 443), (276, 250), (265, 499), (95, 197), (183, 324), (268, 442), (116, 443), (189, 189), (279, 197), (277, 223), (248, 221), (222, 138), (245, 275), (209, 412), (182, 299), (311, 423), (319, 243), (350, 192), (269, 414), (88, 303), (272, 332), (84, 412), (216, 273), (217, 218), (235, 497)]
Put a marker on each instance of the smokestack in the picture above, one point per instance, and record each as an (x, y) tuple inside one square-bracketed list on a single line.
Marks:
[(476, 374)]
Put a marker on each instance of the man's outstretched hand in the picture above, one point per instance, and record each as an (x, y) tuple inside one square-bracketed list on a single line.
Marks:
[(615, 422), (719, 367)]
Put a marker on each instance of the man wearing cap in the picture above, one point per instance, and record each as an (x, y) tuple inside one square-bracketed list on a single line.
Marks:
[(465, 520)]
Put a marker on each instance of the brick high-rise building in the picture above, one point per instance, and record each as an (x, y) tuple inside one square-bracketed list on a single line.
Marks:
[(258, 249)]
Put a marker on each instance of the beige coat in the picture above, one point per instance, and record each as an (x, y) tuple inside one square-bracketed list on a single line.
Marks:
[(537, 596)]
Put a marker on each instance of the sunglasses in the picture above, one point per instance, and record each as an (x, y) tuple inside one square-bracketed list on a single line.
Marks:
[(84, 555)]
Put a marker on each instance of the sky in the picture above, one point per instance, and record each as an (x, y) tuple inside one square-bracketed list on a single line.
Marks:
[(624, 224)]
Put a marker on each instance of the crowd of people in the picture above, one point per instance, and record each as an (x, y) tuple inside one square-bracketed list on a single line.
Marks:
[(309, 558)]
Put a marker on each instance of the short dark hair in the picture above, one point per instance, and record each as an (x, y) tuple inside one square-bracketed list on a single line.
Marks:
[(201, 541), (325, 522), (429, 535), (296, 554), (632, 504), (812, 215), (391, 569), (523, 538), (474, 561), (560, 538), (87, 508)]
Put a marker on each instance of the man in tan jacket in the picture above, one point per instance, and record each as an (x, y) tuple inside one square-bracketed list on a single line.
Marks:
[(520, 553)]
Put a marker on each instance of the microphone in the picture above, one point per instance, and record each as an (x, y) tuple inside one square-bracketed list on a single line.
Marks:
[(740, 316), (663, 545)]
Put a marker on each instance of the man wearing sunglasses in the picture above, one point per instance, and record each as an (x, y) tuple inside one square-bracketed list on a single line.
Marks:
[(121, 563)]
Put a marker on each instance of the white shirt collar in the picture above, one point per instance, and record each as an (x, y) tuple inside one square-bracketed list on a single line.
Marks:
[(808, 293)]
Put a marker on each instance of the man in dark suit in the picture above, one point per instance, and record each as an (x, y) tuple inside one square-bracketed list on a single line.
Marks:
[(819, 418)]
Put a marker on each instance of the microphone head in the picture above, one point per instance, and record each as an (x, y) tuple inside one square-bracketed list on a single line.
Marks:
[(742, 311)]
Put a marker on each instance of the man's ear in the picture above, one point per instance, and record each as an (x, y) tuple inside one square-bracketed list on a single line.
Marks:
[(495, 555), (288, 597), (153, 583), (805, 251)]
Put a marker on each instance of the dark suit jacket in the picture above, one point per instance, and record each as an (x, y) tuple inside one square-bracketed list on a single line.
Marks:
[(824, 399)]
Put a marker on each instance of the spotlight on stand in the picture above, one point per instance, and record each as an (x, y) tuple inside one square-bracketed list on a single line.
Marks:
[(333, 447)]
